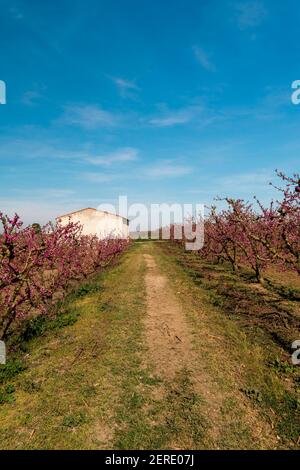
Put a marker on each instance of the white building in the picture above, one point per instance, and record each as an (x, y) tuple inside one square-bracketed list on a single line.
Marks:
[(100, 223)]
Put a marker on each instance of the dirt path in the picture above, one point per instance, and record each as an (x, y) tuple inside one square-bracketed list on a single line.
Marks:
[(168, 336), (174, 346)]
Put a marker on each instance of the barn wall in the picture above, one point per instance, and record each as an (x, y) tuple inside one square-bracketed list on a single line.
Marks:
[(99, 223)]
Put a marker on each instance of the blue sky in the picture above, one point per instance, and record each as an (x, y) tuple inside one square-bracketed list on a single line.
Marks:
[(162, 101)]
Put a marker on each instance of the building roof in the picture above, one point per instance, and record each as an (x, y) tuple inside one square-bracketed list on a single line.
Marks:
[(90, 209)]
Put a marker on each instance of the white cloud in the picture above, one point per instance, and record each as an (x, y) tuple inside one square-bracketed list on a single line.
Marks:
[(174, 117), (45, 193), (126, 88), (39, 207), (98, 177), (246, 182), (29, 148), (168, 169), (162, 169), (36, 210), (239, 185), (88, 117), (30, 98), (203, 59), (245, 185), (126, 154), (250, 14), (171, 120), (16, 13)]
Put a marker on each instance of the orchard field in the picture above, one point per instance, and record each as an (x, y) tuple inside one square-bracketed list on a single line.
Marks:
[(145, 345)]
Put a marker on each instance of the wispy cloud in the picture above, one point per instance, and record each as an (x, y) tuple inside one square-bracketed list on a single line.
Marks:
[(16, 13), (250, 14), (238, 185), (203, 59), (245, 182), (89, 117), (173, 117), (30, 98), (41, 208), (32, 210), (13, 149), (44, 193), (126, 154), (98, 177), (30, 148), (126, 88), (169, 169)]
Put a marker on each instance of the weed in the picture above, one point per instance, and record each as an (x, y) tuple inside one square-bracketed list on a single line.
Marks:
[(86, 289), (89, 391), (10, 369), (184, 418), (6, 394), (39, 325), (283, 367), (106, 307), (30, 386), (74, 420), (253, 394)]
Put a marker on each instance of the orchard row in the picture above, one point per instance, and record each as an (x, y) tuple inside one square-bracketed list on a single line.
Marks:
[(39, 264), (255, 236)]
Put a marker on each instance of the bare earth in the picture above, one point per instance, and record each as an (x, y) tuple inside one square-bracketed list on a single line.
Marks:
[(174, 345), (168, 335)]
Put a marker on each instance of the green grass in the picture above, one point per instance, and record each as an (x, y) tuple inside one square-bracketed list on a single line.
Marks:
[(156, 423), (269, 380), (73, 366)]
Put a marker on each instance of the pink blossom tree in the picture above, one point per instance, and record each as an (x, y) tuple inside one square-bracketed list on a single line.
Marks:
[(39, 264)]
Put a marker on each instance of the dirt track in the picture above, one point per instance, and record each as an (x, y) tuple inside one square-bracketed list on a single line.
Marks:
[(174, 346)]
